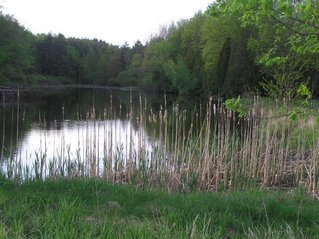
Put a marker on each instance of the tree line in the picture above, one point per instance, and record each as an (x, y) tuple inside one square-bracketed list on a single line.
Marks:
[(234, 47)]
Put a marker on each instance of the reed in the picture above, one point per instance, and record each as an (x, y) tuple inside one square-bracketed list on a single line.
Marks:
[(3, 127), (207, 149)]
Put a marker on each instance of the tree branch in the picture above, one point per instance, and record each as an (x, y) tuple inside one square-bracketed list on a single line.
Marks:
[(296, 19), (292, 29)]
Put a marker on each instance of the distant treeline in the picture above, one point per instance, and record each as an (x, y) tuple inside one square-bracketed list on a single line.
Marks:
[(223, 51)]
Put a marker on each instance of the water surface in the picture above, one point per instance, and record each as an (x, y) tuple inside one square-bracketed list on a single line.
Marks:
[(85, 131)]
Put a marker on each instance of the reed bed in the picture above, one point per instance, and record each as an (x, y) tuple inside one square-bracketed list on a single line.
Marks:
[(207, 149)]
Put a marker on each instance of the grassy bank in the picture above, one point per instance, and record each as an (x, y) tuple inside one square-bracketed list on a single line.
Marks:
[(96, 209)]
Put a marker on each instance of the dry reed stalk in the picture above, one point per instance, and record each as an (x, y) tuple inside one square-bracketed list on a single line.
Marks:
[(3, 130), (18, 111), (314, 163)]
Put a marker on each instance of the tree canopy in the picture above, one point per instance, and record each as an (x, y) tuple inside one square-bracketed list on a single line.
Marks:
[(287, 40), (235, 47)]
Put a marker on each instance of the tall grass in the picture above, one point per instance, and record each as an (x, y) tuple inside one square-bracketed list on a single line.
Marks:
[(207, 149)]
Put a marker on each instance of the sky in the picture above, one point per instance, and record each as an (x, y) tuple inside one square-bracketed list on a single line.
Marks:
[(114, 21)]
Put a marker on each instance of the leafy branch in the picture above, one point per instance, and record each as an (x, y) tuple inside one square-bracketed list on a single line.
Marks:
[(236, 105)]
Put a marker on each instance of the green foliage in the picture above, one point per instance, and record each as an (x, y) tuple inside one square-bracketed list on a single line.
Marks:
[(304, 92), (191, 47), (287, 37), (156, 63), (222, 65), (293, 115), (235, 105), (301, 105), (16, 46), (242, 74), (287, 76), (216, 48), (181, 77)]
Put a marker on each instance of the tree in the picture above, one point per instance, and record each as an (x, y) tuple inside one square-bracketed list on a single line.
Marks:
[(222, 65), (156, 56), (287, 77), (16, 50), (181, 77), (125, 56), (294, 32), (52, 55), (215, 31), (191, 50), (242, 73), (138, 48)]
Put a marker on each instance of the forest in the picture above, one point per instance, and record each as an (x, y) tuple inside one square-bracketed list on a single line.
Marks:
[(233, 48)]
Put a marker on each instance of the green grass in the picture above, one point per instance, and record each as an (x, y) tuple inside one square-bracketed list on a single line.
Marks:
[(81, 209)]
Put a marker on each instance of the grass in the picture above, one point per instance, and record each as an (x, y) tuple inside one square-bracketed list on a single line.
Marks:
[(97, 209)]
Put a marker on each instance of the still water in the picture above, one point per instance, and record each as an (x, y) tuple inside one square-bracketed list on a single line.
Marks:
[(81, 131)]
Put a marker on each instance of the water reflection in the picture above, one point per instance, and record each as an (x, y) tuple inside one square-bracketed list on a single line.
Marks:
[(91, 144), (87, 131)]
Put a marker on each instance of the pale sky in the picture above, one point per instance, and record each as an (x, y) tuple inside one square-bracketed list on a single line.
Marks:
[(114, 21)]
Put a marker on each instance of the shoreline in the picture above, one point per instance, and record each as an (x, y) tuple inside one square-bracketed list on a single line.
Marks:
[(63, 86)]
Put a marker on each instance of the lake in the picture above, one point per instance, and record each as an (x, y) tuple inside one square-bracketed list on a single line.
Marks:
[(85, 131)]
